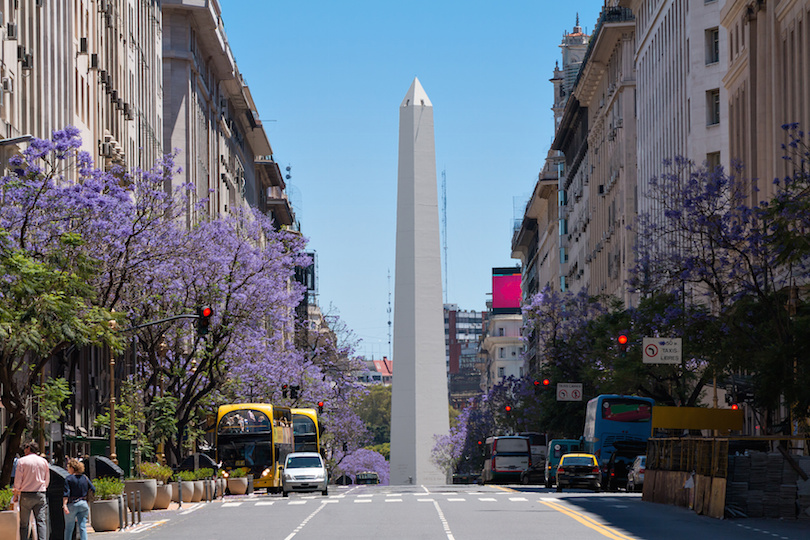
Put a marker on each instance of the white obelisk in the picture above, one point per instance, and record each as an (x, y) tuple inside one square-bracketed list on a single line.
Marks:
[(419, 406)]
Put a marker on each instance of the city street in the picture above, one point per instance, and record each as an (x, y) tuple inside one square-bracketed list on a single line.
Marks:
[(449, 512)]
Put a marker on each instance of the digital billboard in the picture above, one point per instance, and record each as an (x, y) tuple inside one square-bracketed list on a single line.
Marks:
[(506, 292)]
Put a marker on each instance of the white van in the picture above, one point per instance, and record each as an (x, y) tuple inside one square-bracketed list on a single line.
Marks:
[(506, 458)]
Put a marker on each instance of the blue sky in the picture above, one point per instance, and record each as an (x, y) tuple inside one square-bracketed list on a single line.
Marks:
[(328, 77)]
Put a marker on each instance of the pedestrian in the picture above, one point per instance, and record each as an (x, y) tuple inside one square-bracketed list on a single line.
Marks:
[(74, 501), (30, 484)]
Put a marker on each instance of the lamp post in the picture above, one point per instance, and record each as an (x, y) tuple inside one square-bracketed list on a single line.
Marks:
[(113, 456)]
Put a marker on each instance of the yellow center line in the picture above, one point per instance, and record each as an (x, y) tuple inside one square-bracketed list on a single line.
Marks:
[(588, 522)]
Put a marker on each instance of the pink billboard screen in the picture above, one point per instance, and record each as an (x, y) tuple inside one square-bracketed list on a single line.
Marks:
[(506, 292)]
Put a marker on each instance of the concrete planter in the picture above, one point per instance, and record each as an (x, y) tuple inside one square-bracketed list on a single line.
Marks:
[(188, 491), (147, 487), (104, 515), (10, 524), (198, 491), (237, 486), (163, 497)]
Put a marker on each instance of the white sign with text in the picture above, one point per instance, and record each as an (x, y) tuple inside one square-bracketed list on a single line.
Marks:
[(662, 350), (569, 391)]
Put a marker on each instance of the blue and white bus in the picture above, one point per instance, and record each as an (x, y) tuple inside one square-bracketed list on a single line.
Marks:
[(612, 419)]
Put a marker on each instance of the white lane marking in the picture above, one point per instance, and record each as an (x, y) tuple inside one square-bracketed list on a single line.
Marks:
[(303, 523), (444, 521), (518, 499), (393, 500), (362, 501), (296, 502), (366, 495), (146, 526), (456, 500), (192, 508), (232, 504), (264, 503), (487, 499)]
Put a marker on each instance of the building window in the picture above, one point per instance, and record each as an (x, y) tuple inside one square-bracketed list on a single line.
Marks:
[(501, 372), (712, 46), (562, 284), (563, 226), (563, 255), (501, 352), (500, 332), (713, 107), (713, 161)]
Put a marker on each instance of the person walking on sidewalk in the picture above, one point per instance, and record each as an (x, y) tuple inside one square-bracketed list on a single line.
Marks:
[(77, 488), (30, 484)]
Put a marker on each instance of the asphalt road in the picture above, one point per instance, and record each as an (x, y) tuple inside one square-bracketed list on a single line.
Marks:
[(448, 513)]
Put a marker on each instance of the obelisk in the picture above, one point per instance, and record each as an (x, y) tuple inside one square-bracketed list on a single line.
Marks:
[(419, 404)]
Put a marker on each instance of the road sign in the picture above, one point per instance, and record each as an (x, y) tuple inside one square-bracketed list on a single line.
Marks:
[(569, 391), (662, 350)]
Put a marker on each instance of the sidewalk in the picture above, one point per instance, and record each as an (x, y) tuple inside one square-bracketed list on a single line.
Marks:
[(155, 518)]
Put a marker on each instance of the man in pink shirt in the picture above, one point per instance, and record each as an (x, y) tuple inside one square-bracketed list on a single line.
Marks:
[(30, 484)]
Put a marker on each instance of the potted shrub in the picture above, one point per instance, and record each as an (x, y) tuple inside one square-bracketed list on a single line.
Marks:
[(147, 487), (237, 481), (9, 519), (161, 474), (105, 505), (185, 479), (206, 475)]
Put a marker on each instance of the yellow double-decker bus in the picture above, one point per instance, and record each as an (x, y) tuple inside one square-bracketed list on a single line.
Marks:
[(306, 431), (256, 437)]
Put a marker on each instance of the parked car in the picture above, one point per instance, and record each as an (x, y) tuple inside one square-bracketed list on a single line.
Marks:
[(635, 478), (579, 470), (304, 471), (557, 448)]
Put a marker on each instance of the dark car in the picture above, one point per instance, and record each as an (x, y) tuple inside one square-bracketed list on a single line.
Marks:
[(534, 475), (617, 468), (579, 470)]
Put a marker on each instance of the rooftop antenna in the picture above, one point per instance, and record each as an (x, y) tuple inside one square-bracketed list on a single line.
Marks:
[(444, 228)]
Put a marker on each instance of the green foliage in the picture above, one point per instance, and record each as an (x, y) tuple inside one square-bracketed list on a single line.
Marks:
[(52, 395), (162, 423), (383, 449), (156, 471), (108, 488), (130, 416), (5, 499), (237, 473), (187, 476), (204, 473), (375, 411)]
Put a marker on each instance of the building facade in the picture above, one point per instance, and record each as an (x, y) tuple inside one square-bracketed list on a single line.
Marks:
[(462, 337), (501, 350)]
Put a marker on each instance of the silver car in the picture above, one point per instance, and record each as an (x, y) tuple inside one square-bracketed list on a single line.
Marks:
[(304, 471)]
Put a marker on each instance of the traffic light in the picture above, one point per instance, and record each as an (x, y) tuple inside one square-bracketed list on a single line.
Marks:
[(203, 319), (622, 339), (539, 386), (508, 409), (294, 391), (284, 389), (320, 407), (735, 406)]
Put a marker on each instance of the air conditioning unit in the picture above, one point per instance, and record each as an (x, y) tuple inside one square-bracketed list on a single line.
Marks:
[(83, 45), (28, 61), (94, 61), (7, 85), (11, 31), (106, 150)]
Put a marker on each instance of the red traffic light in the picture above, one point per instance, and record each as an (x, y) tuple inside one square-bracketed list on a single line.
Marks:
[(735, 406), (320, 407), (203, 319), (622, 339), (546, 382), (508, 408), (206, 311)]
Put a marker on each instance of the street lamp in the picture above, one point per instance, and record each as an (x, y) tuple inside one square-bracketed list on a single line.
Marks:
[(113, 324)]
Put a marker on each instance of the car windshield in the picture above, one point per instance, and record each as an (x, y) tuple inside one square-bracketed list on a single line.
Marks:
[(303, 462), (577, 460)]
